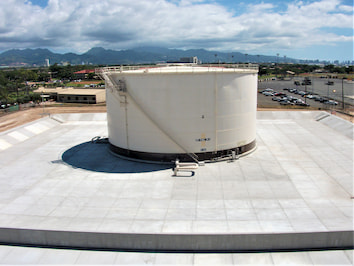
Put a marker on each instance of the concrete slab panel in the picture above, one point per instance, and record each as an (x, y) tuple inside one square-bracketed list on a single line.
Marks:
[(333, 257), (4, 144), (340, 125), (291, 258), (213, 259)]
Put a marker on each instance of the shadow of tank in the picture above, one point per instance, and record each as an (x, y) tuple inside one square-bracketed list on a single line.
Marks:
[(96, 157)]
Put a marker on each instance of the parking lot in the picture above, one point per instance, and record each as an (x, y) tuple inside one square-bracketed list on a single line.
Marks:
[(318, 87)]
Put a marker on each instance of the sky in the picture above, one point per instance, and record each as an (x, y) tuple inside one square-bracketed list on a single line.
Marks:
[(312, 29)]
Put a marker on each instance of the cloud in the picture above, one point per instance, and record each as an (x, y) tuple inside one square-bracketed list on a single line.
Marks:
[(120, 24)]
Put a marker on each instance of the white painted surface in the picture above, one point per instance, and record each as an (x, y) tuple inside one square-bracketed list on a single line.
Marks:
[(169, 112), (18, 136), (4, 144)]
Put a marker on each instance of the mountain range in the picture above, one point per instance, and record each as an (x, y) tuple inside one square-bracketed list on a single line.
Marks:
[(141, 55)]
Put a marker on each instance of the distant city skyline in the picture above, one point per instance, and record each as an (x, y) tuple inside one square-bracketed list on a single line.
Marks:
[(315, 29)]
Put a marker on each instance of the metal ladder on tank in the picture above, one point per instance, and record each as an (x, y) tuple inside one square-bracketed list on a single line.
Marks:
[(122, 97), (123, 91), (113, 86)]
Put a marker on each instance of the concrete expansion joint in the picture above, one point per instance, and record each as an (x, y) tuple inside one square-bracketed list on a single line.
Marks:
[(55, 118)]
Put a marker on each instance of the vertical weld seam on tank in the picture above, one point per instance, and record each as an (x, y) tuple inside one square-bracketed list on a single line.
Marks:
[(216, 111), (126, 120)]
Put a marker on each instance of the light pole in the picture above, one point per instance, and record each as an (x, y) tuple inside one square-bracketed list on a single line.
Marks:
[(342, 93), (328, 84), (43, 96), (327, 95)]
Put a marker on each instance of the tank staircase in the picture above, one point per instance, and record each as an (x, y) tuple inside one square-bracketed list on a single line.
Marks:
[(114, 87)]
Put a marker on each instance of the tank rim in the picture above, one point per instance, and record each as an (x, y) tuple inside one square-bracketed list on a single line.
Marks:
[(182, 157)]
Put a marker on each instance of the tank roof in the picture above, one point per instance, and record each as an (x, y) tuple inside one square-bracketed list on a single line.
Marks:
[(180, 68)]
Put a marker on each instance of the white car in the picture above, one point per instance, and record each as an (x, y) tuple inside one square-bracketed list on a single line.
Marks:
[(331, 102), (268, 93)]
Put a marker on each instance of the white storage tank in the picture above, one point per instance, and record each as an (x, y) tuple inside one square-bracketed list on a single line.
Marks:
[(190, 113)]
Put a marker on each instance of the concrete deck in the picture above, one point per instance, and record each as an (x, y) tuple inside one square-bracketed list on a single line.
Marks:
[(294, 191), (38, 256)]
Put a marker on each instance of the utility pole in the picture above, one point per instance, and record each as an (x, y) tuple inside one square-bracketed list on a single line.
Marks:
[(343, 93)]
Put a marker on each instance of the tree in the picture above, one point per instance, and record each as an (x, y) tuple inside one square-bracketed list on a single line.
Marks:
[(4, 94), (91, 75), (54, 69), (43, 76)]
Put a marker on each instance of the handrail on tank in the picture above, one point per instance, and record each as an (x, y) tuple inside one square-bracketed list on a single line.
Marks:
[(177, 68)]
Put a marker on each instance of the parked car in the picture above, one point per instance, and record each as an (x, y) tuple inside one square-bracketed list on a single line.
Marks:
[(319, 99), (291, 98), (323, 100), (267, 90), (278, 99), (284, 102), (306, 81), (279, 94), (331, 102), (268, 93), (301, 103)]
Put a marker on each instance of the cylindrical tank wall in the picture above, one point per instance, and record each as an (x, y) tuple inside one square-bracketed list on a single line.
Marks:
[(178, 113)]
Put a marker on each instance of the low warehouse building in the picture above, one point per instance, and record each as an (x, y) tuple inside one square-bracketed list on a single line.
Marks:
[(71, 95)]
